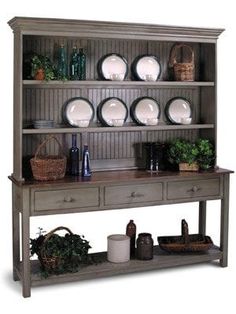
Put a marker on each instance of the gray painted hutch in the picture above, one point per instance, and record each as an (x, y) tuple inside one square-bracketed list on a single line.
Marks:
[(116, 153)]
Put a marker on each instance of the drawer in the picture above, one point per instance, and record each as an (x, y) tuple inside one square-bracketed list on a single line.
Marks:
[(133, 194), (193, 188), (66, 198)]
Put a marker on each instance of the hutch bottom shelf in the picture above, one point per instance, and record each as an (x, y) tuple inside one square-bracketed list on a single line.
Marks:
[(104, 268)]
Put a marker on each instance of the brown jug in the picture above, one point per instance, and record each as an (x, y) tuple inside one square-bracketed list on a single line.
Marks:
[(131, 232)]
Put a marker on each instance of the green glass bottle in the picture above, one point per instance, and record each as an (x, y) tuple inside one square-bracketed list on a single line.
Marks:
[(82, 64), (62, 64), (74, 64)]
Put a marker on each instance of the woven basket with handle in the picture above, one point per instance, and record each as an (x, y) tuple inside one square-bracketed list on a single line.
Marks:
[(186, 242), (183, 71), (50, 263), (49, 167)]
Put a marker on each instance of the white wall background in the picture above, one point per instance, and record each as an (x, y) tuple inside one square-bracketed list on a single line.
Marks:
[(193, 289)]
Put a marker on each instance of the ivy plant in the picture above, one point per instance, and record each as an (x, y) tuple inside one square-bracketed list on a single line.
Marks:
[(71, 251)]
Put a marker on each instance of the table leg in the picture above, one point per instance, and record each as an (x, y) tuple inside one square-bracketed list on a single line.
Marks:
[(202, 217), (15, 235), (224, 222), (26, 271)]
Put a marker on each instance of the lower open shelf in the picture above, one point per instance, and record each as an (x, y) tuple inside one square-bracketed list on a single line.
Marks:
[(104, 268)]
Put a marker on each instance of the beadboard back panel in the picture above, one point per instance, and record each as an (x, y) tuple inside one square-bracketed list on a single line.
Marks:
[(130, 49), (108, 150), (43, 103)]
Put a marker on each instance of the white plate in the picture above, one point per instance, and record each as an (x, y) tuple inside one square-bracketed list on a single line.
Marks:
[(113, 67), (111, 111), (78, 108), (145, 111), (146, 68), (178, 109)]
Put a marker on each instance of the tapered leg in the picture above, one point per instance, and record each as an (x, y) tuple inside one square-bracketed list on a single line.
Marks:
[(26, 271), (202, 217), (224, 222), (15, 235)]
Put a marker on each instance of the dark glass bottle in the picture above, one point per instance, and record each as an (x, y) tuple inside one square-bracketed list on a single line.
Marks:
[(62, 64), (145, 246), (74, 157), (131, 232), (86, 171), (74, 65), (81, 64)]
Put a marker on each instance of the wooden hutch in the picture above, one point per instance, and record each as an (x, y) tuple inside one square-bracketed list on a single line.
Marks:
[(113, 149)]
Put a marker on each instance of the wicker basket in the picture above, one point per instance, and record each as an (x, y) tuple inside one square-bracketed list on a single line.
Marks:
[(49, 167), (50, 263), (184, 166), (186, 242), (183, 71)]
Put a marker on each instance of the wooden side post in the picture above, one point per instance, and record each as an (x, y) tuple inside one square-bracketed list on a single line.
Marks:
[(224, 222)]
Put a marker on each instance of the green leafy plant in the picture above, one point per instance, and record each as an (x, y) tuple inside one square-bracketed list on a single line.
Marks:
[(206, 154), (182, 151), (39, 62), (71, 251), (201, 152)]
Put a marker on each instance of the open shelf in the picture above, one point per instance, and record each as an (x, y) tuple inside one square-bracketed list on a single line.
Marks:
[(110, 84), (104, 268), (125, 128)]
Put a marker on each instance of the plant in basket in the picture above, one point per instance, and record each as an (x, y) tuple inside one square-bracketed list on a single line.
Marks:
[(60, 254), (184, 154)]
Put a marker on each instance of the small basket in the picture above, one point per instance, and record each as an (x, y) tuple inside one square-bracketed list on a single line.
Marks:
[(184, 166), (183, 71), (51, 263), (49, 167), (185, 242)]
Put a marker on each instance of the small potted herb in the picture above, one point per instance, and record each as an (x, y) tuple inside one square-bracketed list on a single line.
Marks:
[(184, 154), (42, 68), (206, 154), (60, 254)]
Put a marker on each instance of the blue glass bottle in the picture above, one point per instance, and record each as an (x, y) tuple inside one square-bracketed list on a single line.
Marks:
[(81, 64), (86, 170), (74, 157), (74, 65), (62, 64)]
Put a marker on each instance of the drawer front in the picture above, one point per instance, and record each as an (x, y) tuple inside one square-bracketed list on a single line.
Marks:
[(133, 194), (66, 198), (194, 188)]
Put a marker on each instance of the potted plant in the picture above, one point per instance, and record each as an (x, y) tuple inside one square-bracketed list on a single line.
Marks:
[(184, 154), (42, 68), (60, 254), (206, 154)]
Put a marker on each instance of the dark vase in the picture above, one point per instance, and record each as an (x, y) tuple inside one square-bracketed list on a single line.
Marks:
[(86, 170), (131, 232), (81, 64), (74, 65), (74, 157), (145, 246), (155, 156)]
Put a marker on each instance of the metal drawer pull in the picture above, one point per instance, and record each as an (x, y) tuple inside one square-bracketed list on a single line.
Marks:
[(68, 199), (194, 189), (136, 195)]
